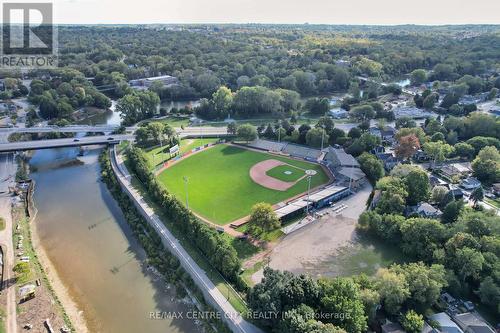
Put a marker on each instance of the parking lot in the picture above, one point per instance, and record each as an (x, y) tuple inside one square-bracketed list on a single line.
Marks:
[(302, 250)]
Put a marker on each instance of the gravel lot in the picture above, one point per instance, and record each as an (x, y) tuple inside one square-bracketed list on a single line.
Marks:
[(302, 251)]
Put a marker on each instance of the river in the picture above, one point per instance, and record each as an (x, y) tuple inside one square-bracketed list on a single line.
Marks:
[(93, 250)]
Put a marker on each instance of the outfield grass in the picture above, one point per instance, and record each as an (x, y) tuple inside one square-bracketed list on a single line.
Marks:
[(281, 172), (158, 155), (219, 185)]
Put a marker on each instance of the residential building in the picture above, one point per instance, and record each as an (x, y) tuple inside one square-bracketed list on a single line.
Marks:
[(411, 112), (339, 113), (470, 183), (456, 169), (446, 324), (457, 193), (496, 189), (471, 322), (425, 209), (389, 160)]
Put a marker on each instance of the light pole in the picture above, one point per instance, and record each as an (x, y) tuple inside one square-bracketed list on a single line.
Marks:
[(186, 190), (279, 131), (322, 136), (309, 174)]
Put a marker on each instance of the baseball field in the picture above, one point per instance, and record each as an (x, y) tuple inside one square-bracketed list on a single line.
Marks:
[(224, 182)]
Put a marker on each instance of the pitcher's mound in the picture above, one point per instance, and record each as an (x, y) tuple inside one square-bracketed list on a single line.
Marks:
[(258, 175)]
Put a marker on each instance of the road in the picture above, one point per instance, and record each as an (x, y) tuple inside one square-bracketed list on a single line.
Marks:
[(59, 143), (65, 129), (101, 139), (210, 291), (7, 176)]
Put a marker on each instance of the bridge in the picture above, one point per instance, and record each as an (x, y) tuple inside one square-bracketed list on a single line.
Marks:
[(61, 143), (65, 129), (198, 132)]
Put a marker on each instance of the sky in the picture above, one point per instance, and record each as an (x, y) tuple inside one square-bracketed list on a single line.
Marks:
[(381, 12)]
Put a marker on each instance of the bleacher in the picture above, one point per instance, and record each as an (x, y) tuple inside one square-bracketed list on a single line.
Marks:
[(287, 148), (267, 145), (302, 152)]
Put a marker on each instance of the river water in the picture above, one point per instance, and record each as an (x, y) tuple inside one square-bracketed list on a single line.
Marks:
[(93, 250)]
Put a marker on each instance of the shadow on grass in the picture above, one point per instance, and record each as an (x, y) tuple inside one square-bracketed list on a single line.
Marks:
[(230, 150)]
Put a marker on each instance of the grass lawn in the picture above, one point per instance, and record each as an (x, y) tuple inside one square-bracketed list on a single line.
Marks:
[(219, 185), (224, 287), (493, 202), (176, 121), (158, 155), (286, 173)]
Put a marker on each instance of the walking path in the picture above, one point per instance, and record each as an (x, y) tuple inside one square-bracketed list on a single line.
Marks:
[(209, 290), (7, 175)]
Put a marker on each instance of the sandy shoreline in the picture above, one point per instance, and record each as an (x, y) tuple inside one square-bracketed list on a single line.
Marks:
[(70, 307)]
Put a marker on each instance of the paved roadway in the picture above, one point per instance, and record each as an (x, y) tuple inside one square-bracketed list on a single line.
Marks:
[(214, 296), (65, 129), (7, 178), (102, 139), (59, 143)]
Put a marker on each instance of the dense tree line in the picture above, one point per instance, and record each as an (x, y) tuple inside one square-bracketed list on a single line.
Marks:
[(214, 247), (157, 256), (64, 91), (465, 242)]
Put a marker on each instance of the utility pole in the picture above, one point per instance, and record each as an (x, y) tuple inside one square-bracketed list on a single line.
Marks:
[(279, 131), (186, 190)]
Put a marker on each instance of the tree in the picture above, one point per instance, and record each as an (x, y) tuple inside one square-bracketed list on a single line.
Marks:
[(452, 211), (489, 292), (464, 150), (417, 182), (405, 122), (318, 105), (486, 165), (341, 295), (438, 151), (232, 128), (438, 194), (371, 166), (477, 195), (263, 219), (247, 132), (407, 146), (417, 77), (393, 289), (362, 112), (316, 136), (412, 322), (222, 100)]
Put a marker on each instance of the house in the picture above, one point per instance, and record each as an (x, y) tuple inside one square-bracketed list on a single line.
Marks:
[(392, 328), (470, 183), (389, 160), (411, 112), (435, 181), (339, 113), (421, 156), (378, 150), (388, 133), (457, 193), (471, 322), (456, 169), (426, 210), (337, 157), (496, 189), (445, 323)]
